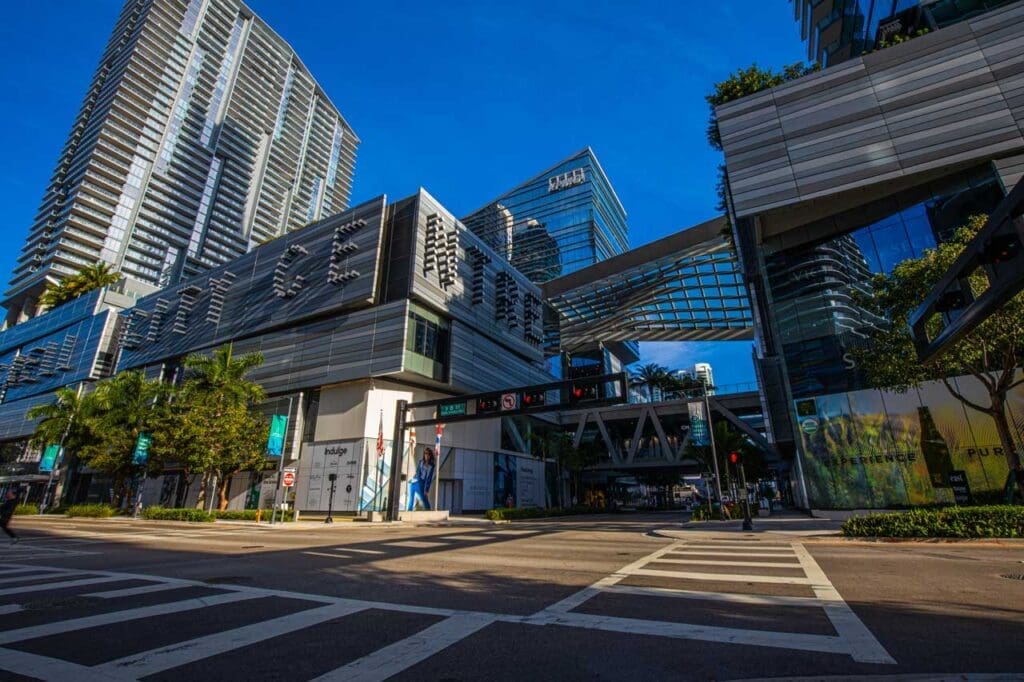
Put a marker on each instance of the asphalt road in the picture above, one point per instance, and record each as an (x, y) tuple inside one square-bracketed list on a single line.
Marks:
[(598, 598)]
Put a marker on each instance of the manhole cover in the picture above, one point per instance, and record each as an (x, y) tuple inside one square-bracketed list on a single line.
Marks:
[(224, 579), (1013, 576), (60, 603)]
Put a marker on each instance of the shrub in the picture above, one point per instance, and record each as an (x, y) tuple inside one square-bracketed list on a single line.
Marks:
[(186, 514), (26, 509), (506, 514), (90, 511), (250, 515), (995, 521)]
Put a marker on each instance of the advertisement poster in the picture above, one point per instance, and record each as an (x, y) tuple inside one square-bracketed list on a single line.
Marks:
[(873, 449), (529, 483), (505, 480), (49, 458), (318, 462), (698, 424)]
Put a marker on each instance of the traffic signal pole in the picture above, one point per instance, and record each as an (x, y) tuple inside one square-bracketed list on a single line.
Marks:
[(748, 523)]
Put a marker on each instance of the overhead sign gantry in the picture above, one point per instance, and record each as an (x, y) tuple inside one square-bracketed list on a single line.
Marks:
[(594, 390)]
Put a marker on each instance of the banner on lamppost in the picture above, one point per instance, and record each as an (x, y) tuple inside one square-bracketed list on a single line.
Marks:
[(278, 428), (141, 454), (49, 458), (699, 434)]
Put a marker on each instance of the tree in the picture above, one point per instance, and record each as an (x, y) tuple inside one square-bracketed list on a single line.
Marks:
[(211, 427), (649, 376), (64, 422), (992, 353), (122, 407), (728, 440), (742, 83), (89, 278)]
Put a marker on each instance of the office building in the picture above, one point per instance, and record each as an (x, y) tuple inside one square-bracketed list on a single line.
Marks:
[(201, 135), (702, 372), (836, 30), (558, 222), (843, 174)]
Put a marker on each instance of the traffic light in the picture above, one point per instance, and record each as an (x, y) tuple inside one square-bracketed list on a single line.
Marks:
[(734, 458), (999, 249), (489, 403), (581, 393), (533, 398)]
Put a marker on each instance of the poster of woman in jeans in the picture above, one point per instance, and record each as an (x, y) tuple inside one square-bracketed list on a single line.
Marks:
[(419, 484)]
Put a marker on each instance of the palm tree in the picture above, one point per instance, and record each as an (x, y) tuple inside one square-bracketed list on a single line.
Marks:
[(649, 376), (61, 420), (123, 407), (95, 276), (224, 375)]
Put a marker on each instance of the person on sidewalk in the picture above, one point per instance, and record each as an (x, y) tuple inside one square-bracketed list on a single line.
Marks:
[(6, 512)]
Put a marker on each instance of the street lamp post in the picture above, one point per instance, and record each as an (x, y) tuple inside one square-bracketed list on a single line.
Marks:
[(333, 478), (280, 466), (714, 453)]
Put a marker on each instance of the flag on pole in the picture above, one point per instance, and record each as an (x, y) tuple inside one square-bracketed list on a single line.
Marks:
[(380, 436), (412, 442), (437, 440)]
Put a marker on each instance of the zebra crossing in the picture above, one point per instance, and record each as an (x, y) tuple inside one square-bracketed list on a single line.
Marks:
[(59, 623), (683, 570)]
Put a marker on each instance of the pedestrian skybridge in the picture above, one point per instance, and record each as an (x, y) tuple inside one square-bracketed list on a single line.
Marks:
[(684, 287)]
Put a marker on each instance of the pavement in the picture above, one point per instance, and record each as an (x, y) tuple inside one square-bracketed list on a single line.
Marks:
[(616, 597)]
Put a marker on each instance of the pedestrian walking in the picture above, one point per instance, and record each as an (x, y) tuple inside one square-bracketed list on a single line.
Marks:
[(6, 512)]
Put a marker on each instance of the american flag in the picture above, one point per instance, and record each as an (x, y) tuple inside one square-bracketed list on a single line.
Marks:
[(437, 442), (412, 441), (380, 436)]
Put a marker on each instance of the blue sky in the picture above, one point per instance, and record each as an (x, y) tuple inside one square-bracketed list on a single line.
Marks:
[(464, 98)]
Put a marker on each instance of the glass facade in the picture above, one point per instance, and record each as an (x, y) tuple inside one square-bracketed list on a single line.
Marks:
[(563, 219), (836, 30), (814, 286)]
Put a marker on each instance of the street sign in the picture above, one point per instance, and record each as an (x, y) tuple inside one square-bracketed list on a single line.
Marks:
[(49, 458), (509, 401), (278, 429), (451, 409), (960, 487), (288, 477), (141, 454), (809, 425)]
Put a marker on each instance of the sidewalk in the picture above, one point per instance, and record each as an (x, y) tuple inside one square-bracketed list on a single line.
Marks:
[(786, 523)]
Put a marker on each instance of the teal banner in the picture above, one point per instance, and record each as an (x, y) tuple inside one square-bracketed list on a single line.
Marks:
[(49, 459), (141, 454), (278, 428), (699, 433)]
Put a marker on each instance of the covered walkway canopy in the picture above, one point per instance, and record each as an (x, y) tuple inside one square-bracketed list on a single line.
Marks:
[(684, 287)]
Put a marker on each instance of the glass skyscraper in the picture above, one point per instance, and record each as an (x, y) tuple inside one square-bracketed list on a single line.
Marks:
[(836, 30), (201, 135), (560, 220)]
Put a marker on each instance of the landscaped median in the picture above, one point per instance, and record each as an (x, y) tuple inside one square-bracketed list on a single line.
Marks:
[(995, 521), (520, 513), (103, 511)]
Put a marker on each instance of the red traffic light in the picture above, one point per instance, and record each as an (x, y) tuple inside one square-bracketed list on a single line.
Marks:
[(734, 458), (533, 398), (583, 392), (491, 403)]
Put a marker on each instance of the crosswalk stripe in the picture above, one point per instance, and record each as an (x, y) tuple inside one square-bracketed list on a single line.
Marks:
[(37, 576), (770, 555), (136, 591), (393, 659), (863, 647), (46, 629), (50, 669), (40, 587), (182, 653), (731, 597), (736, 548), (714, 562), (710, 633), (10, 608), (727, 577)]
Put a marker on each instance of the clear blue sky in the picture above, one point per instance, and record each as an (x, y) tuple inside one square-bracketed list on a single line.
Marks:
[(464, 98)]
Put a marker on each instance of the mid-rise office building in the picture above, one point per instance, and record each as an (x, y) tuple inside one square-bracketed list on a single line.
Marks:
[(561, 220), (201, 135), (836, 30), (841, 175)]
